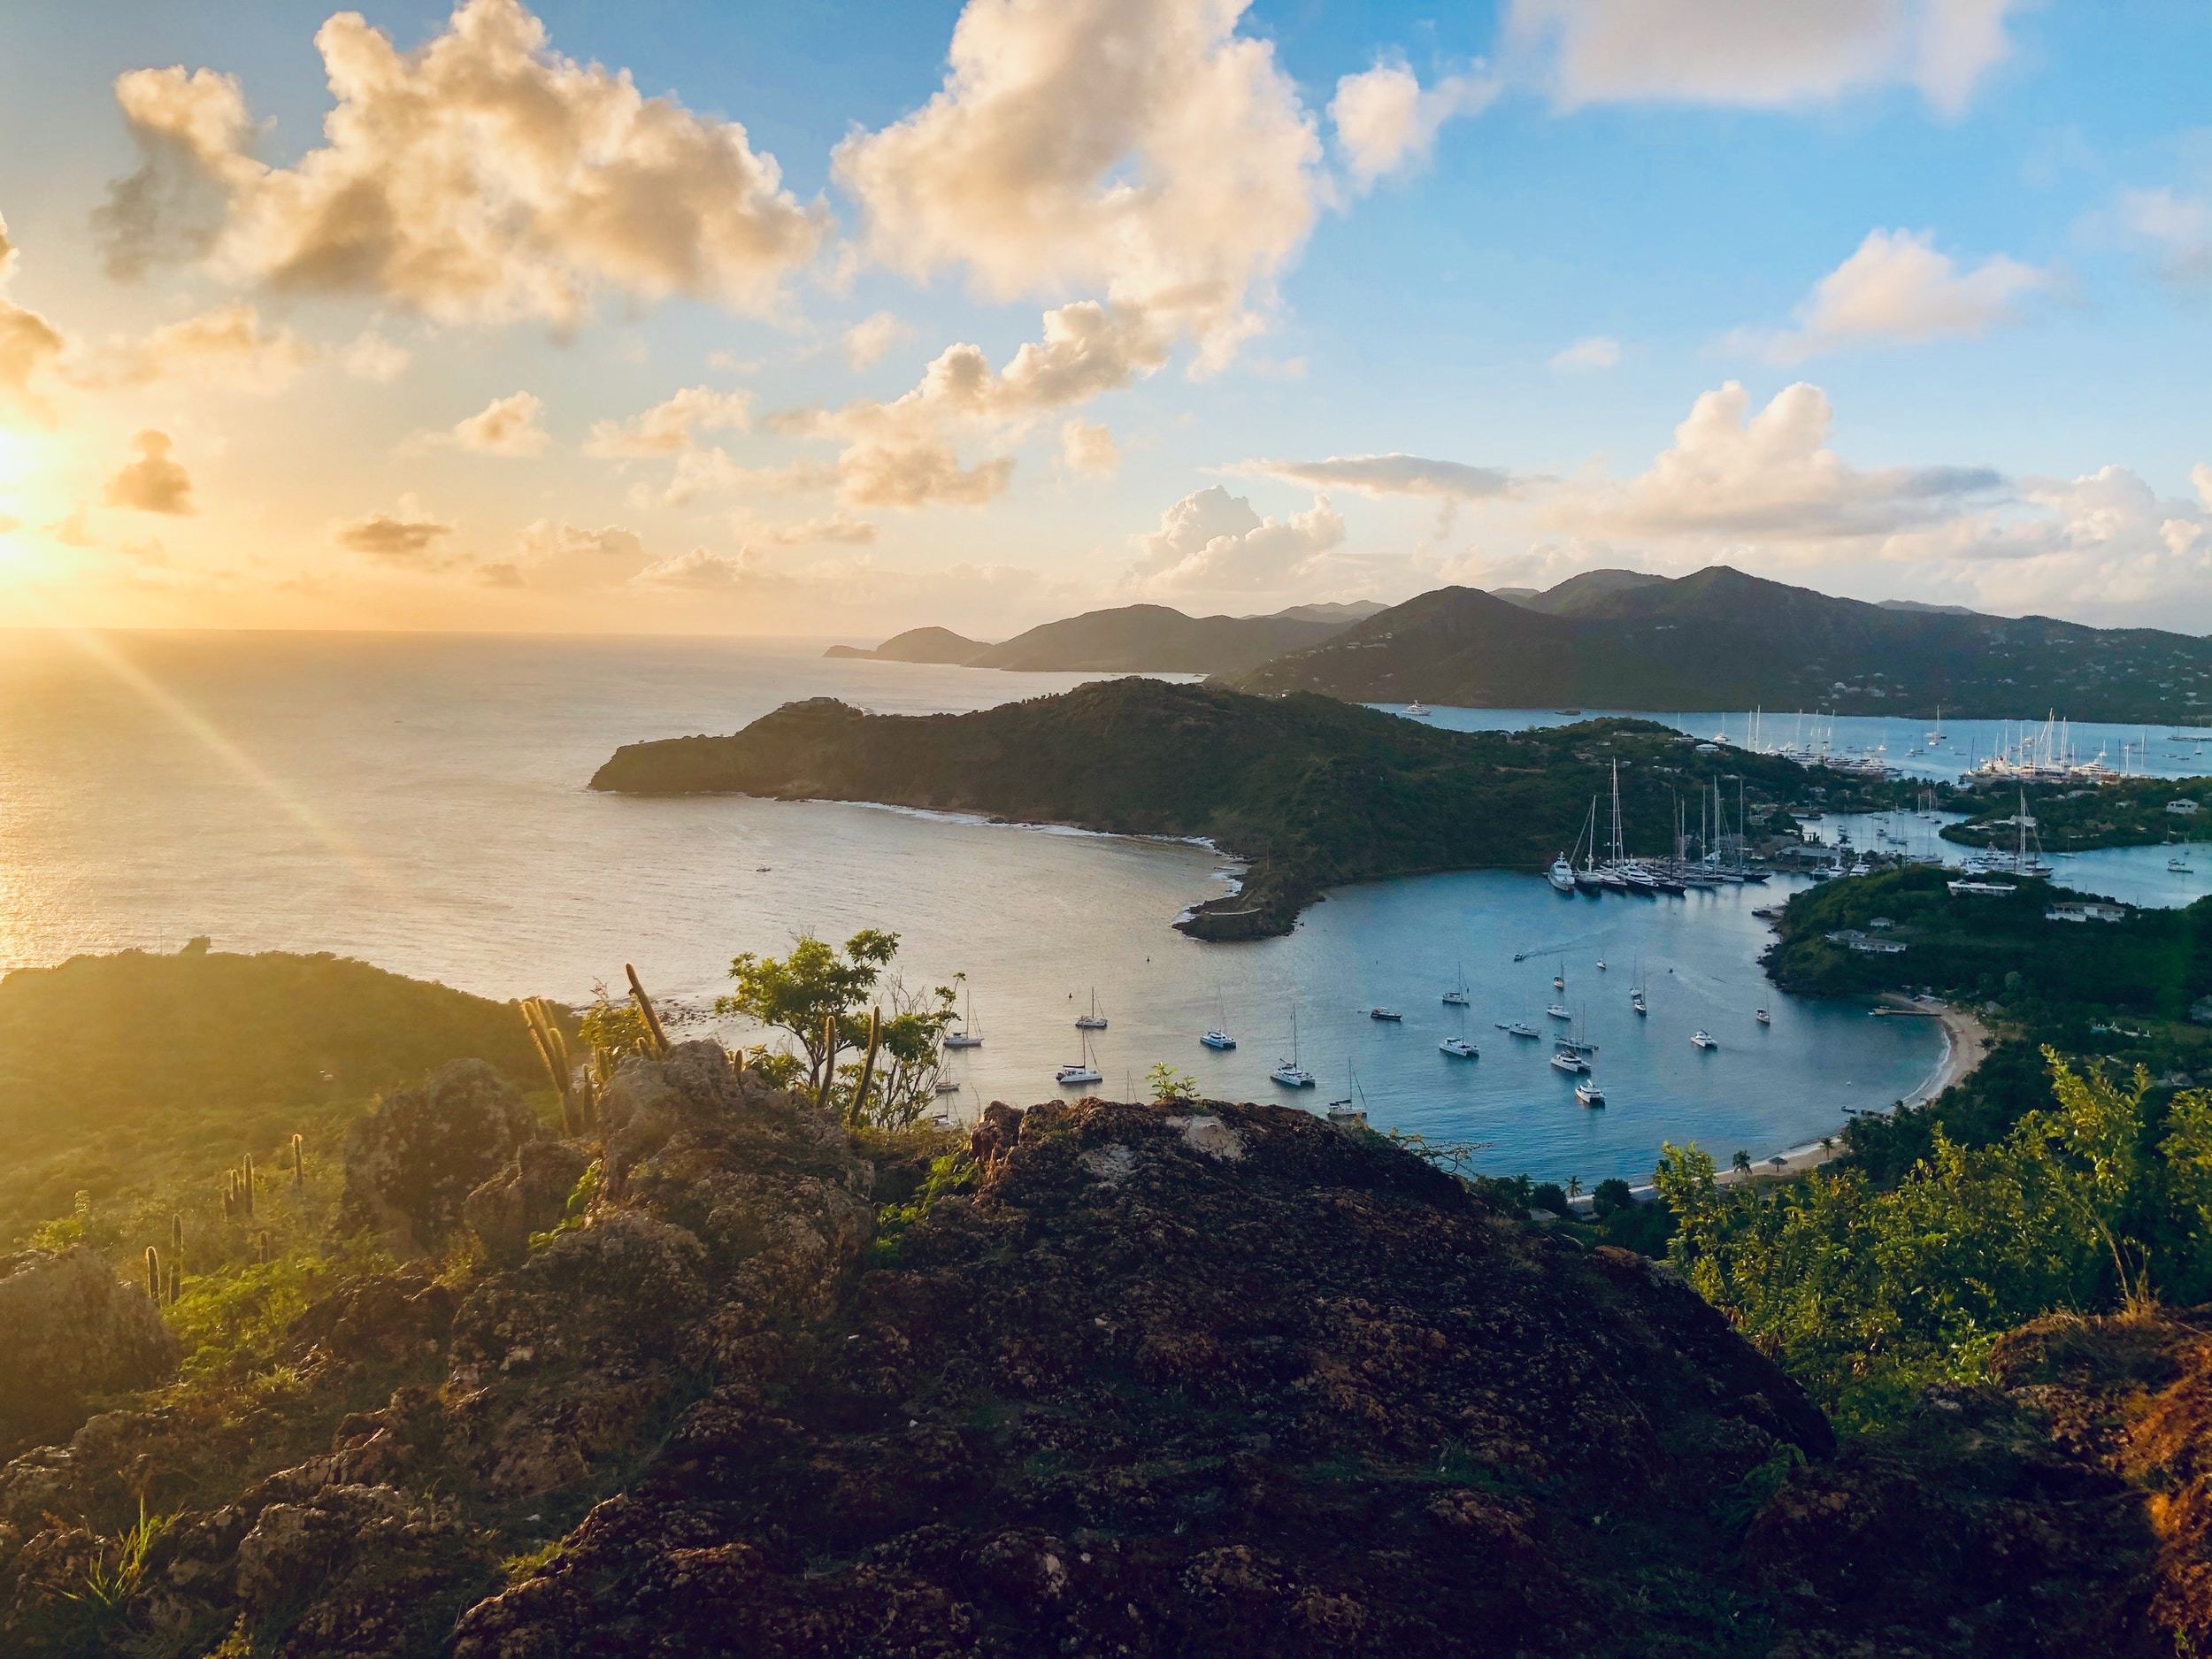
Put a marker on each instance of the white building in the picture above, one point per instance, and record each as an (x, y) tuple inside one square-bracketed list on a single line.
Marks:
[(2184, 808), (2086, 912)]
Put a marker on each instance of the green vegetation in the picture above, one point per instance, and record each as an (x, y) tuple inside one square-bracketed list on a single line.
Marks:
[(1315, 792), (135, 1079), (2075, 817), (2100, 1201), (821, 998), (1722, 639)]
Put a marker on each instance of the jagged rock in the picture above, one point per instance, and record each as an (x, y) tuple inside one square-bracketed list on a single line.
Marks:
[(386, 1318), (413, 1162), (529, 1197), (70, 1329)]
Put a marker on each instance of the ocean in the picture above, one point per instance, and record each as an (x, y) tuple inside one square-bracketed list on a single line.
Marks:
[(419, 802)]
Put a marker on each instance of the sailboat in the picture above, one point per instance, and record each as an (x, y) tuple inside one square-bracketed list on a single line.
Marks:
[(1093, 1020), (1456, 997), (1559, 979), (1460, 1048), (1636, 991), (1517, 1028), (1566, 1057), (1079, 1072), (1288, 1072), (1703, 1038), (1351, 1111), (1763, 1016), (1217, 1037), (967, 1036)]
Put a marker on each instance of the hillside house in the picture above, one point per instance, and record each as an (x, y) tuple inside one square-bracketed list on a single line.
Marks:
[(2184, 808), (2085, 910)]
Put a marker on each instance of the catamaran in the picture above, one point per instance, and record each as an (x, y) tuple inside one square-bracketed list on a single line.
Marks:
[(967, 1036), (1219, 1037), (1456, 997), (1703, 1038), (1588, 1092), (1080, 1072), (1555, 1011), (1093, 1020), (1459, 1049), (1636, 991), (1566, 1057)]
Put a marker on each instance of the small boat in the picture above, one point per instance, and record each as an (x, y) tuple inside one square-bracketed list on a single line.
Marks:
[(1559, 979), (1218, 1039), (1419, 709), (946, 1085), (2179, 866), (1456, 997), (1519, 1028), (1389, 1015), (1460, 1048), (1079, 1071), (967, 1036), (1703, 1038), (1093, 1020), (1589, 1094), (1600, 964), (1763, 1018), (1351, 1111), (1562, 874), (1555, 1011), (1288, 1072), (1636, 1001), (1565, 1058)]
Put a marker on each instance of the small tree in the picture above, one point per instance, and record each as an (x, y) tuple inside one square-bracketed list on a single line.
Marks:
[(1610, 1194), (1574, 1187), (1170, 1086)]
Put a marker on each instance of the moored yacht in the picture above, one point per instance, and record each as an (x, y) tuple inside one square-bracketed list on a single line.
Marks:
[(1079, 1074), (1562, 874), (1460, 1048), (1519, 1028), (1389, 1015), (967, 1036), (1588, 1092), (1288, 1072), (1703, 1038), (1093, 1020), (1218, 1039), (1566, 1058), (1555, 1011)]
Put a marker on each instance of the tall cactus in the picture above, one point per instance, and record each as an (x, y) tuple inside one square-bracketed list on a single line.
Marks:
[(299, 1160), (829, 1061), (153, 1274), (176, 1233), (246, 1184), (867, 1067), (645, 1007)]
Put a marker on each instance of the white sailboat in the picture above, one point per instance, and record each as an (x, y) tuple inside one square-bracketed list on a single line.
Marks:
[(1093, 1020), (1456, 997), (1702, 1039), (1588, 1092), (1288, 1072), (967, 1036), (1079, 1074), (1217, 1037), (1460, 1048)]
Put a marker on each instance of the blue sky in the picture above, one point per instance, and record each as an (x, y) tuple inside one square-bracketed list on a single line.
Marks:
[(2011, 204)]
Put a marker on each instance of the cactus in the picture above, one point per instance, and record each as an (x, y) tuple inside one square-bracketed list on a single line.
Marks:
[(829, 1061), (176, 1280), (299, 1160), (176, 1233), (245, 1183), (153, 1274), (645, 1007), (867, 1066)]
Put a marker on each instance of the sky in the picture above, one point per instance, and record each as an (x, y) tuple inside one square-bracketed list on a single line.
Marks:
[(831, 319)]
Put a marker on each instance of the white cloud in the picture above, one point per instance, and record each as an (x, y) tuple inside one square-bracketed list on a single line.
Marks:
[(1380, 475), (868, 340), (1897, 287), (2176, 228), (1213, 541), (672, 426), (1144, 148), (407, 535), (153, 480), (1087, 447), (1585, 356), (1386, 122), (29, 346), (480, 178), (226, 350), (372, 357), (1768, 478), (2201, 475), (1780, 54), (702, 570), (551, 553), (840, 526), (505, 426)]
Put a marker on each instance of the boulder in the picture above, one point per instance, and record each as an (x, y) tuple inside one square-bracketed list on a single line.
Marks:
[(411, 1164), (530, 1196), (69, 1330)]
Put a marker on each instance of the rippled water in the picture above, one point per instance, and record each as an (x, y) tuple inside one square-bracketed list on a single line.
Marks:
[(419, 803)]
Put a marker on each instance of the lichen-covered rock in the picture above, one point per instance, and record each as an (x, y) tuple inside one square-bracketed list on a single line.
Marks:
[(528, 1197), (411, 1164), (382, 1318), (69, 1330)]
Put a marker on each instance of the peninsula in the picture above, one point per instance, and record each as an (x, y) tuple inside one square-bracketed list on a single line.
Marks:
[(1312, 791)]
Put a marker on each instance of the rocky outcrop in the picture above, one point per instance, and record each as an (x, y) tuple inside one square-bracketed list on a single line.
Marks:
[(530, 1196), (70, 1329), (411, 1164)]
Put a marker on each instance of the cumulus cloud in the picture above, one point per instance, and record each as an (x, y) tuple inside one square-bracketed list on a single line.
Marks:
[(552, 553), (153, 480), (480, 178), (1585, 356), (407, 535), (1212, 541), (227, 348), (1088, 448), (506, 426), (672, 426), (840, 526), (29, 346), (1143, 148), (1897, 288), (869, 339), (2177, 230), (1779, 54), (1387, 121), (1769, 478), (372, 357), (701, 570), (1378, 475)]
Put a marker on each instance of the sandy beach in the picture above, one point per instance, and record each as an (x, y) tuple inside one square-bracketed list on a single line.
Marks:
[(1965, 1040)]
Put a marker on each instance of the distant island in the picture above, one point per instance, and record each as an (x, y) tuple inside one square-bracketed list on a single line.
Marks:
[(1129, 639), (1723, 640), (1312, 790)]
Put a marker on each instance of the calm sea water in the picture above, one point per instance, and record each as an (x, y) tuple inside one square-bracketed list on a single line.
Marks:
[(420, 803)]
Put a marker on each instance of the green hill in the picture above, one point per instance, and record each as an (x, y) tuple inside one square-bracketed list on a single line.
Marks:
[(117, 1073), (1314, 791), (1156, 640), (1723, 640)]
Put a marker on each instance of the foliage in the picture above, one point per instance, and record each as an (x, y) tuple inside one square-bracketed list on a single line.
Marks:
[(614, 1029), (1609, 1195), (1171, 1087), (950, 1171), (820, 997), (2131, 812), (1548, 1195), (2096, 1201)]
